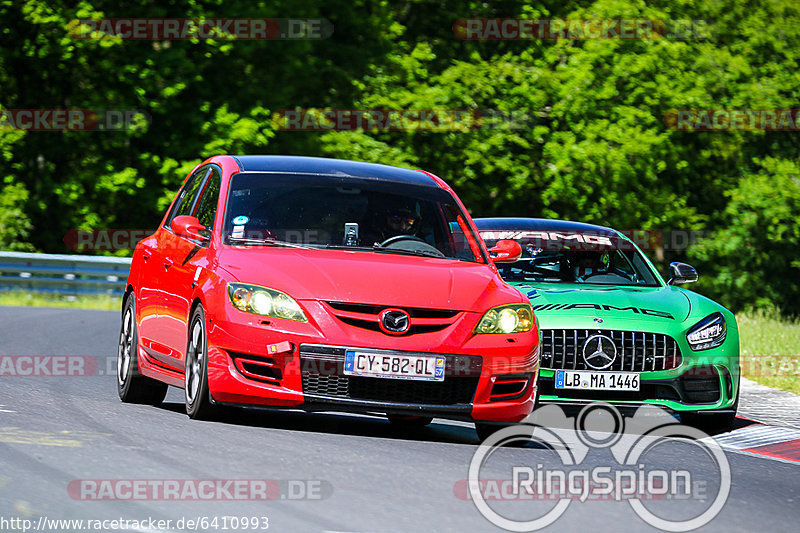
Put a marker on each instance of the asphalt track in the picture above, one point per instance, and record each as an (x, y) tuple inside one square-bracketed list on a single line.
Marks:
[(358, 473)]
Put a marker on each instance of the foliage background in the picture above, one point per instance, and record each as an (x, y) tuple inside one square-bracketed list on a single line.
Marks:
[(597, 148)]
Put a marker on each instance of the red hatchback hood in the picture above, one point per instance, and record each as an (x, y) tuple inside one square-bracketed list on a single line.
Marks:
[(367, 277)]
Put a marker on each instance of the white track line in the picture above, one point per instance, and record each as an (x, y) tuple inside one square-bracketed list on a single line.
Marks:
[(753, 436)]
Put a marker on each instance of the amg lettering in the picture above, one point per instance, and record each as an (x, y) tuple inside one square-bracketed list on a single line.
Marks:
[(610, 307), (584, 306), (603, 307), (537, 236), (661, 314), (556, 236)]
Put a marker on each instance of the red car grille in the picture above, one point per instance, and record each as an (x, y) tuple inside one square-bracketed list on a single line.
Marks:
[(449, 392), (322, 375), (366, 316)]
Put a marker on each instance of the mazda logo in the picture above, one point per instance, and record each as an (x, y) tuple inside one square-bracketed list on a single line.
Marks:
[(394, 321), (599, 352)]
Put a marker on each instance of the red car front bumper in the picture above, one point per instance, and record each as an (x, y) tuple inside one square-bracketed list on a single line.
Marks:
[(257, 361)]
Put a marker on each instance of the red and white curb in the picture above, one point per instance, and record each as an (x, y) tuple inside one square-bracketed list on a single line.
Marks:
[(777, 443)]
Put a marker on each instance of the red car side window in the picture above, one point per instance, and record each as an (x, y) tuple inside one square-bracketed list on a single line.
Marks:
[(207, 206), (186, 198)]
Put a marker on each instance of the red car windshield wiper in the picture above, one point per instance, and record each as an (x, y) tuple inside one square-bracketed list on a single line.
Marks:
[(378, 248), (266, 242)]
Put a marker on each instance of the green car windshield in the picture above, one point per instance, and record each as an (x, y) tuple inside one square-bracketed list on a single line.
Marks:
[(575, 258)]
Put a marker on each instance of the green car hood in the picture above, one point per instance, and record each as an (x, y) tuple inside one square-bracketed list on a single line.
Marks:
[(657, 304)]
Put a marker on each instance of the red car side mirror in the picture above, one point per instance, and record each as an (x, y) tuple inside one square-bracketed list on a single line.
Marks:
[(189, 226), (506, 251)]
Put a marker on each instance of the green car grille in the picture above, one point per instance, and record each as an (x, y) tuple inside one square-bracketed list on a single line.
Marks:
[(635, 351)]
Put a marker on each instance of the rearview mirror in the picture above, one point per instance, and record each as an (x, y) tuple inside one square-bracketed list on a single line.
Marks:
[(506, 251), (681, 273), (189, 226)]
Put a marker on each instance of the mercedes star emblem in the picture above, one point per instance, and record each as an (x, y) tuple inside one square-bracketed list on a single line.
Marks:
[(599, 352)]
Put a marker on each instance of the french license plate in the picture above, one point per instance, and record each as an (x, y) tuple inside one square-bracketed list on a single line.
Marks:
[(616, 381), (387, 365)]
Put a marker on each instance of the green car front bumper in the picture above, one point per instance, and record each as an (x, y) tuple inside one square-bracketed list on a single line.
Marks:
[(654, 347)]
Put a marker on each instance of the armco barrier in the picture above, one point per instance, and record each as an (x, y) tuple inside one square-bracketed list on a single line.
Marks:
[(63, 274)]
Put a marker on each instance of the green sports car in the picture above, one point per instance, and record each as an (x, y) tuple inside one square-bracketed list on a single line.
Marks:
[(612, 330)]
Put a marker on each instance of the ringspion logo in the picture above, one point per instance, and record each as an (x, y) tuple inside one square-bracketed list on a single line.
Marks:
[(675, 496)]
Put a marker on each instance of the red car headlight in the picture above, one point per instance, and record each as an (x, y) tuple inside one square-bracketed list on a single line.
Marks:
[(514, 318), (264, 301)]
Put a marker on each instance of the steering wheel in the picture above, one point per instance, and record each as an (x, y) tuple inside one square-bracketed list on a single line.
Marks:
[(609, 273), (419, 244)]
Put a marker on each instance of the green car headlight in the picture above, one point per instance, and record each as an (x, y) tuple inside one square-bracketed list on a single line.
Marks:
[(264, 301), (514, 318), (708, 333)]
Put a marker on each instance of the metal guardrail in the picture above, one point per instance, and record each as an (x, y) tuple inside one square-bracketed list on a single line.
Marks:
[(63, 274)]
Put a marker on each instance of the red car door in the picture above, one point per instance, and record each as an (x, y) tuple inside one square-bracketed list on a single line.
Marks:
[(148, 297), (156, 330), (182, 270)]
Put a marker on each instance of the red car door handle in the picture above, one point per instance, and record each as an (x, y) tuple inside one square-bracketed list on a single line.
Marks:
[(167, 263)]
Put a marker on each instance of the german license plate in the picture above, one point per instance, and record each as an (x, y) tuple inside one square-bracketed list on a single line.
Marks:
[(397, 366), (616, 381)]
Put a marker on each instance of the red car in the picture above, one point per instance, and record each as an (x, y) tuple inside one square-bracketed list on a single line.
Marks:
[(323, 284)]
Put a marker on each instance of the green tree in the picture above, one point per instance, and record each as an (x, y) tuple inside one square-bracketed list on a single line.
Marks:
[(202, 97), (589, 137), (15, 227), (753, 259)]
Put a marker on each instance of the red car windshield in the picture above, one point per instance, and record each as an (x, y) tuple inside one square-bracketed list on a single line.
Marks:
[(345, 212)]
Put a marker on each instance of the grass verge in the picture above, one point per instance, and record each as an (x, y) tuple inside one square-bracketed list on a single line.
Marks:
[(90, 301), (770, 349)]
